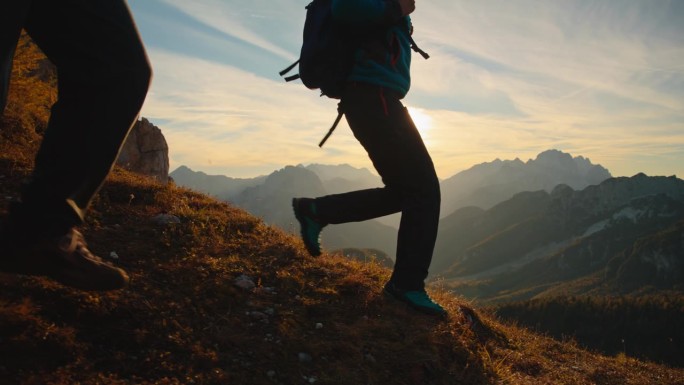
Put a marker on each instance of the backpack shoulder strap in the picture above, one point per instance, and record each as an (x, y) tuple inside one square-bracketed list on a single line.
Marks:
[(340, 112), (415, 47), (288, 69)]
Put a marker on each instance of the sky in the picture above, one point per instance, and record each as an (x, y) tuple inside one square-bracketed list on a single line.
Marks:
[(602, 79)]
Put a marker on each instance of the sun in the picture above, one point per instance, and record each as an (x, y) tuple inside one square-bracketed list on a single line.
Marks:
[(422, 120)]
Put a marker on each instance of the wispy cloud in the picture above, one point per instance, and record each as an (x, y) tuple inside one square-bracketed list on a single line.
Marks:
[(254, 22), (567, 47)]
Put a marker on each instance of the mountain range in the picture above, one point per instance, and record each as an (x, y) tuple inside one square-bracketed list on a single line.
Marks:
[(271, 201), (487, 184), (621, 236), (483, 185), (553, 224)]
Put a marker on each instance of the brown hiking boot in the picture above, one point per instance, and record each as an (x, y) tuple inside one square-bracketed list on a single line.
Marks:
[(65, 259)]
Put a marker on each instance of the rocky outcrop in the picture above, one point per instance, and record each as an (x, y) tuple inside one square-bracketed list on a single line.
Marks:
[(146, 152)]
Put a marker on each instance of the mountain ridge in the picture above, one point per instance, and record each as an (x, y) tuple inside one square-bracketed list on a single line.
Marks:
[(271, 201), (486, 184), (538, 241), (550, 168)]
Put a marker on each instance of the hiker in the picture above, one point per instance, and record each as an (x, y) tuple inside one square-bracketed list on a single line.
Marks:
[(371, 102), (103, 77)]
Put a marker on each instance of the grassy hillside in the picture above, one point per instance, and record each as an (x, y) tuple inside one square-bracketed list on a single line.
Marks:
[(189, 318), (325, 321)]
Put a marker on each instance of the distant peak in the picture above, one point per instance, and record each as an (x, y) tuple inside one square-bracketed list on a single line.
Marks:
[(553, 154), (182, 169)]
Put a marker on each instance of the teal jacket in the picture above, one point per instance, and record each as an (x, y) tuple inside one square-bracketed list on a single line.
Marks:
[(384, 61)]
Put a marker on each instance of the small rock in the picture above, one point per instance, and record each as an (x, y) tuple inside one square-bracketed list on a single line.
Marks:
[(269, 311), (319, 325), (259, 316), (165, 219), (266, 290), (244, 282), (304, 357), (113, 255)]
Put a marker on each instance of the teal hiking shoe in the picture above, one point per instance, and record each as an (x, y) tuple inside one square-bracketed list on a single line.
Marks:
[(310, 229), (417, 299)]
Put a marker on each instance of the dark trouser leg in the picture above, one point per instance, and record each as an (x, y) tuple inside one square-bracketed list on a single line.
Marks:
[(103, 77), (385, 129), (12, 16)]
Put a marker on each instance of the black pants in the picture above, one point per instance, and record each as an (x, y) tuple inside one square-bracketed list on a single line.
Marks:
[(383, 126), (103, 77)]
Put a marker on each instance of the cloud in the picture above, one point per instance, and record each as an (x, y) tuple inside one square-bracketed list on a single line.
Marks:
[(254, 22), (569, 46)]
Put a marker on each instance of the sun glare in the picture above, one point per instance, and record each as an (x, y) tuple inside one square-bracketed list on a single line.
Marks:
[(422, 120)]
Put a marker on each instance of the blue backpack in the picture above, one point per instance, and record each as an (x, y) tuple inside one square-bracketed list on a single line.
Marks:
[(327, 54)]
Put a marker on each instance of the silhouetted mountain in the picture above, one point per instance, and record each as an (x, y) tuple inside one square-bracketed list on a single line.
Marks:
[(566, 241), (272, 201), (488, 184), (269, 197), (219, 186), (337, 179), (483, 185), (343, 177)]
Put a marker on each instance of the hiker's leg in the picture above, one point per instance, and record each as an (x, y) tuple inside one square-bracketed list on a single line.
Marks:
[(365, 112), (12, 16), (420, 205), (357, 206), (103, 77), (420, 197), (382, 124)]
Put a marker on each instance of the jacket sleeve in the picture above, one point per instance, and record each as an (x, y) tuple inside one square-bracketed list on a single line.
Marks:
[(382, 12)]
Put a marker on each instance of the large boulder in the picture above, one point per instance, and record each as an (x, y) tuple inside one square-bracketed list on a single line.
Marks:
[(146, 152)]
